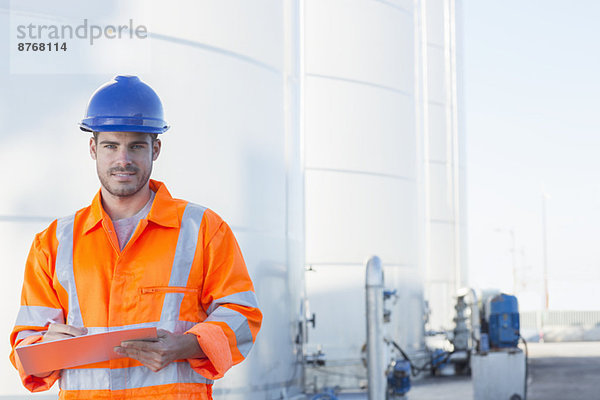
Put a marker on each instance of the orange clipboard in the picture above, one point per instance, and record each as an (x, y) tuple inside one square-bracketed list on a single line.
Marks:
[(39, 358)]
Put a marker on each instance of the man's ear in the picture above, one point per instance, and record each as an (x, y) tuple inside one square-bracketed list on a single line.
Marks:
[(156, 146), (93, 148)]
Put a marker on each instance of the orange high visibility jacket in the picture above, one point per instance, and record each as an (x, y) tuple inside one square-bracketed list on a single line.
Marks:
[(182, 271)]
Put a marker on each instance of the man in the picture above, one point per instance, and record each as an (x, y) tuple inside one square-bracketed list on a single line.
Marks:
[(136, 257)]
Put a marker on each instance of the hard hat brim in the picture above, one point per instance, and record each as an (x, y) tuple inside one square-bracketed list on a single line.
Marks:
[(123, 124)]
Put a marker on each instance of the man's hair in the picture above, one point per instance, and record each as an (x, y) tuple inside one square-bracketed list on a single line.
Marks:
[(153, 137)]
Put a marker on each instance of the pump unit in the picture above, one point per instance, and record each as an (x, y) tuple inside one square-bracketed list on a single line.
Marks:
[(504, 321), (499, 372), (398, 378)]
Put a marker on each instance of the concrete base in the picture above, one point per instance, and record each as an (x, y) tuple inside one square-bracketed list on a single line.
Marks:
[(499, 375)]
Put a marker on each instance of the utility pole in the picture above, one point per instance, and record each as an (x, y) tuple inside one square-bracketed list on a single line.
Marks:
[(545, 250), (513, 250)]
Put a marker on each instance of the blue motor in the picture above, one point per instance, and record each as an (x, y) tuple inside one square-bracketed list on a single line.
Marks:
[(328, 393), (504, 321), (398, 378)]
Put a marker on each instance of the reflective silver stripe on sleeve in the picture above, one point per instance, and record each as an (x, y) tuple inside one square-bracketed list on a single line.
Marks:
[(238, 324), (39, 316), (247, 299), (128, 378), (184, 256), (64, 267), (24, 334)]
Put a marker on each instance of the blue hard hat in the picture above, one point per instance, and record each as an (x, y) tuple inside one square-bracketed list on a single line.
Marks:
[(125, 104)]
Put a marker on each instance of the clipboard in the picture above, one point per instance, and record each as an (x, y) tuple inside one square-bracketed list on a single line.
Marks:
[(39, 358)]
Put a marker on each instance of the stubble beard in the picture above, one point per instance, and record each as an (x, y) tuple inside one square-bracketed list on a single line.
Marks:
[(128, 190)]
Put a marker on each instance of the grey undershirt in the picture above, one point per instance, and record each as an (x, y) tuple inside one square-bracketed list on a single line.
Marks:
[(126, 226)]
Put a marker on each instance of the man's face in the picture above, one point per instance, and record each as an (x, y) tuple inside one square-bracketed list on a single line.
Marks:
[(124, 160)]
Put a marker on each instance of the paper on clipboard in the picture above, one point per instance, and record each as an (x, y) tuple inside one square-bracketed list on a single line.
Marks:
[(43, 357)]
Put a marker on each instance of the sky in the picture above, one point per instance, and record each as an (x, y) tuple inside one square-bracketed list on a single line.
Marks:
[(531, 97)]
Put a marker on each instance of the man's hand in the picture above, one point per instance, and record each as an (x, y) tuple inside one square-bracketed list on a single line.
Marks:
[(60, 331), (158, 354)]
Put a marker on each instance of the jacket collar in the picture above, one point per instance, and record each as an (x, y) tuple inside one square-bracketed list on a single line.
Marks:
[(163, 211)]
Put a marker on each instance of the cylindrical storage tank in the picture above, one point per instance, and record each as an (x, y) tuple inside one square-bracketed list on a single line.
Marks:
[(381, 151), (229, 86), (362, 176), (445, 267)]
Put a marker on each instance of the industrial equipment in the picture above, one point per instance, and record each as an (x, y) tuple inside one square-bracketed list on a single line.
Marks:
[(499, 372), (504, 321), (328, 393), (398, 378)]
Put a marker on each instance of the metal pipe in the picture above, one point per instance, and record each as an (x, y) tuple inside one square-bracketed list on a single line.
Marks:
[(545, 248), (375, 367), (475, 320)]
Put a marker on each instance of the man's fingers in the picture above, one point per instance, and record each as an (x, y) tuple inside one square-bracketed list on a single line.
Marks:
[(67, 329), (62, 331), (139, 345), (154, 354), (133, 353), (149, 359), (161, 333)]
